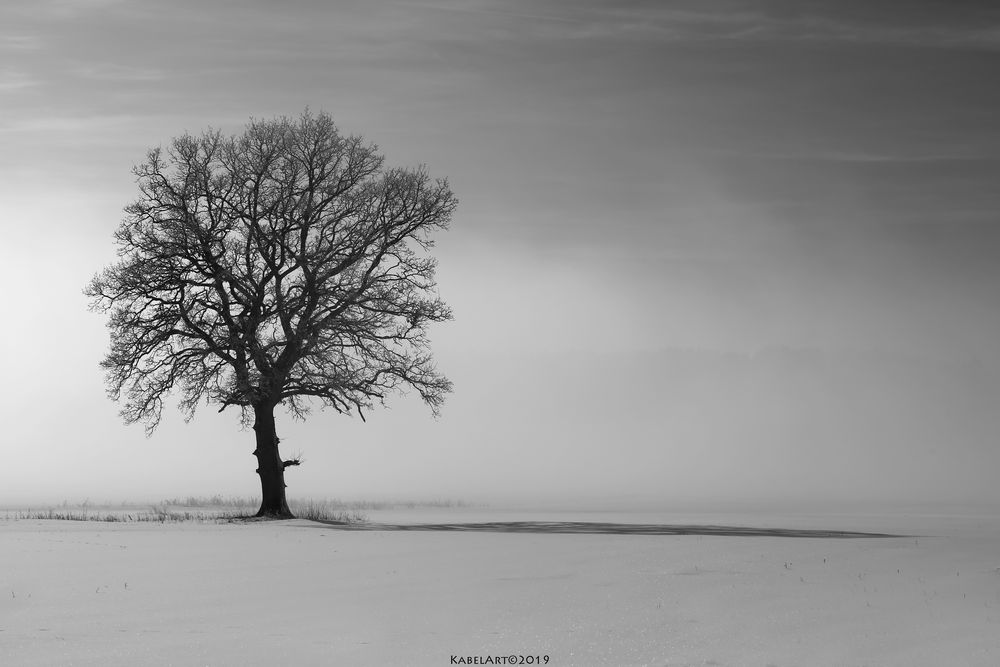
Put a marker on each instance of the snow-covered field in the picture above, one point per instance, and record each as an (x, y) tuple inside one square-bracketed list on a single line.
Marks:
[(302, 593)]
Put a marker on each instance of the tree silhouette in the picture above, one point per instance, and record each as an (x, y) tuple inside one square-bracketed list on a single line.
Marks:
[(282, 266)]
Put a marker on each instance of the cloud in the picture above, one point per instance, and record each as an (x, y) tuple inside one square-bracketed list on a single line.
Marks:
[(636, 20), (118, 73), (859, 157), (822, 29), (20, 43), (70, 124), (496, 10), (821, 22), (66, 9), (12, 80)]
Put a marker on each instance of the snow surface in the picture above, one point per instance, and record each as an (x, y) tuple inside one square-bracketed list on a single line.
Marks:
[(303, 593)]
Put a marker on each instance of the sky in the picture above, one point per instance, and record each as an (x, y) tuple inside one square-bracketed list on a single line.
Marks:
[(733, 252)]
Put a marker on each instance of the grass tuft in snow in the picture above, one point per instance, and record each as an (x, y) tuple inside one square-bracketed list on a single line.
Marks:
[(219, 508), (245, 502), (153, 514), (166, 513), (325, 510)]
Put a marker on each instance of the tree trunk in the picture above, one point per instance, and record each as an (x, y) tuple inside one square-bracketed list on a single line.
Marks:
[(269, 465)]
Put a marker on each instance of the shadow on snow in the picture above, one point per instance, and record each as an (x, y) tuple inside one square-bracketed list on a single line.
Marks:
[(606, 529)]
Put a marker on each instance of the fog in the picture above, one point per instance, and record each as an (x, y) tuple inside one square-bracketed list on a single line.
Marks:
[(702, 256)]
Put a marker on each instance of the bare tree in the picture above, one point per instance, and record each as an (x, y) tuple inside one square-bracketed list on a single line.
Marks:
[(282, 266)]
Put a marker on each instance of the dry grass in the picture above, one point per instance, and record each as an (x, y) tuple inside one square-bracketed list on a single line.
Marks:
[(153, 514), (245, 502), (217, 509)]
